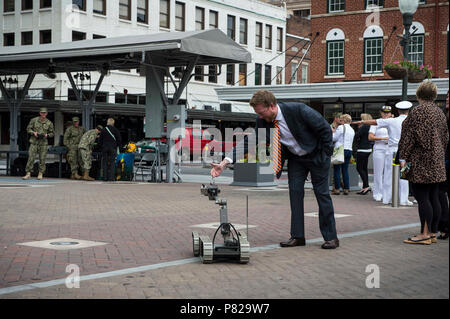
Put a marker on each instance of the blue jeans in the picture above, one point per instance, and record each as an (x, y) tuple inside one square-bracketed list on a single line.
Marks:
[(344, 167)]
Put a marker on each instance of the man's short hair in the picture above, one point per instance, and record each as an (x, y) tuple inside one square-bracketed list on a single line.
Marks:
[(110, 121), (427, 91), (263, 97)]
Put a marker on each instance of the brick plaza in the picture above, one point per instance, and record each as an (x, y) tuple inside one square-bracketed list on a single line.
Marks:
[(146, 246)]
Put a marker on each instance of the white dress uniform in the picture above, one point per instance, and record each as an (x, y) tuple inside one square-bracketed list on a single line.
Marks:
[(394, 128), (379, 156)]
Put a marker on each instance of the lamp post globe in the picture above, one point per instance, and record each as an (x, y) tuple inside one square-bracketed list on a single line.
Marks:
[(407, 8)]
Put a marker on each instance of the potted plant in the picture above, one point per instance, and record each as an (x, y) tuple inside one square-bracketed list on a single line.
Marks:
[(251, 171), (396, 70), (416, 73)]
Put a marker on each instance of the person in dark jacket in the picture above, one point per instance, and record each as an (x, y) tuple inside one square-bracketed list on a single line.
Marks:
[(302, 136), (363, 148), (109, 141)]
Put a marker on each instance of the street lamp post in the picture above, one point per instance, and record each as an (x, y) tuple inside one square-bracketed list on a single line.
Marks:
[(407, 8)]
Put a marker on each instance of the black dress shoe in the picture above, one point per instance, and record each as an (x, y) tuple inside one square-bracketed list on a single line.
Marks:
[(292, 242), (331, 244)]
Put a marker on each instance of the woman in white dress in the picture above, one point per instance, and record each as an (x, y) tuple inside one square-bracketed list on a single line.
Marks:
[(380, 136)]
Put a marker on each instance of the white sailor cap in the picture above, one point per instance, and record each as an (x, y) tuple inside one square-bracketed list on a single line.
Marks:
[(403, 105)]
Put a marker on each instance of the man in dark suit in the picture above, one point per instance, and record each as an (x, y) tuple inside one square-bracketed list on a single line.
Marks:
[(109, 141), (305, 140)]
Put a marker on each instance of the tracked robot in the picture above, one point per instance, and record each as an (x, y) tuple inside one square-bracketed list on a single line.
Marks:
[(235, 246)]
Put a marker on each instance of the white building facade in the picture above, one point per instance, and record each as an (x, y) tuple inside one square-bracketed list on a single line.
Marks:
[(257, 26)]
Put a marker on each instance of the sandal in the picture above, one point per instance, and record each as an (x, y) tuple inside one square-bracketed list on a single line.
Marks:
[(424, 241), (443, 236)]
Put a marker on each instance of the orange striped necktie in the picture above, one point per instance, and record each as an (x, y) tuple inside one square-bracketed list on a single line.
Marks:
[(276, 151)]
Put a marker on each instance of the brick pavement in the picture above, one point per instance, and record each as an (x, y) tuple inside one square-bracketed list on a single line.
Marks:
[(146, 224)]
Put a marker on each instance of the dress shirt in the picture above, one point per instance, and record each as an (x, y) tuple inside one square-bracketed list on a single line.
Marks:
[(380, 145), (394, 127), (347, 140)]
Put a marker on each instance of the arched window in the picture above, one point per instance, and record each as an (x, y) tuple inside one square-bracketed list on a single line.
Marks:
[(373, 50), (416, 43), (335, 52)]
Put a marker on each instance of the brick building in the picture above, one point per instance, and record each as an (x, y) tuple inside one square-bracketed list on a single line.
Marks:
[(356, 39), (298, 39)]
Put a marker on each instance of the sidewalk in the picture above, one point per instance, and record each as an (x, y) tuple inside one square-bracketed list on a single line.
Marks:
[(149, 226)]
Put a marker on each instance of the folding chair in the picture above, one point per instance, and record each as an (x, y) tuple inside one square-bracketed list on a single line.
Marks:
[(142, 166)]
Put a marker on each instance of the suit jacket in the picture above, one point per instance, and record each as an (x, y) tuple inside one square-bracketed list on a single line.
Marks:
[(310, 129)]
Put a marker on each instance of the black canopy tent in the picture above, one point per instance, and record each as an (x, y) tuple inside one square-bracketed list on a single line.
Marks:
[(153, 54)]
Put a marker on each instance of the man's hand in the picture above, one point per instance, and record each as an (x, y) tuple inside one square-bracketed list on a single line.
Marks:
[(35, 134), (217, 169)]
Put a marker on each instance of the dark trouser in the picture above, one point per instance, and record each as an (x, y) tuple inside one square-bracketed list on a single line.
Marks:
[(344, 167), (427, 196), (109, 165), (298, 168), (443, 199), (362, 160)]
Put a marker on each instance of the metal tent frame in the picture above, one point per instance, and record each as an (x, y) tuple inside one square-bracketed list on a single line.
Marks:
[(154, 54)]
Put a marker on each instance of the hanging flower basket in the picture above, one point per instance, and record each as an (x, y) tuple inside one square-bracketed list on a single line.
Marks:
[(396, 73), (416, 73), (416, 76)]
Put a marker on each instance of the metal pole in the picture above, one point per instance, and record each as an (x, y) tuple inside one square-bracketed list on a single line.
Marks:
[(407, 21), (395, 184)]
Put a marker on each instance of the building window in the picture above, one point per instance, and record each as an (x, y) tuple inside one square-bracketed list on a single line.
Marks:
[(125, 9), (142, 11), (259, 39), (243, 31), (199, 18), (231, 27), (198, 73), (45, 4), (258, 73), (279, 75), (8, 39), (179, 16), (242, 74), (416, 49), (27, 38), (336, 5), (27, 5), (164, 13), (373, 55), (267, 74), (374, 3), (100, 7), (422, 2), (268, 37), (212, 71), (303, 13), (230, 74), (213, 19), (294, 74), (335, 57), (8, 5), (45, 36), (98, 36), (78, 36), (280, 39), (304, 73), (81, 4)]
